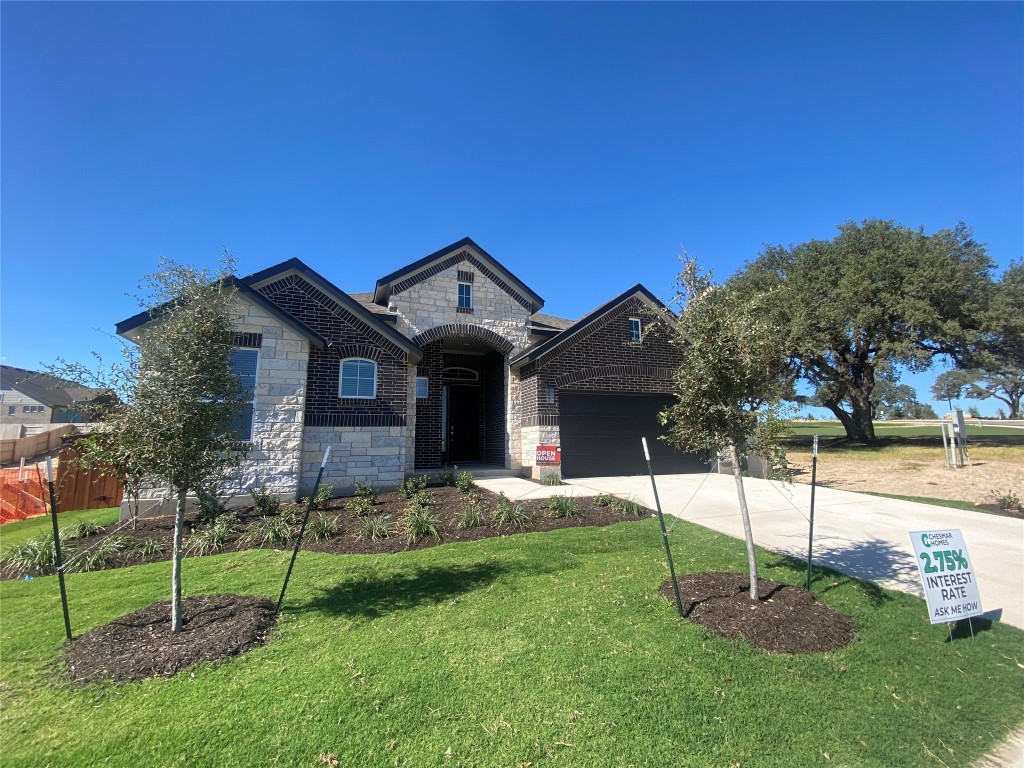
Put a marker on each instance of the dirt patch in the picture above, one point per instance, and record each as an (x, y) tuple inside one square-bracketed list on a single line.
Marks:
[(141, 644), (786, 619), (909, 467)]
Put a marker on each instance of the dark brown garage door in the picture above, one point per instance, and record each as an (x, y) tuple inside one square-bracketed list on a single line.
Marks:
[(601, 434)]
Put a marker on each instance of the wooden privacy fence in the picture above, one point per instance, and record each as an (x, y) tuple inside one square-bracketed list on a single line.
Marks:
[(29, 496), (33, 445), (79, 489)]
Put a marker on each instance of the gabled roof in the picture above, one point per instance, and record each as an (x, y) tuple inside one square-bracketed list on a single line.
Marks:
[(372, 319), (543, 348), (46, 389), (125, 327), (528, 298)]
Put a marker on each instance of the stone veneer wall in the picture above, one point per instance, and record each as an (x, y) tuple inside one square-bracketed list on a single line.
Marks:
[(277, 414), (374, 455), (426, 302), (599, 359)]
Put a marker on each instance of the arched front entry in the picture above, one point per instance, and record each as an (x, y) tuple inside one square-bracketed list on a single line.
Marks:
[(462, 419)]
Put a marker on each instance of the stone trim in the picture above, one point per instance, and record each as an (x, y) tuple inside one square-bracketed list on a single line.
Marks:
[(451, 261), (610, 371), (500, 344)]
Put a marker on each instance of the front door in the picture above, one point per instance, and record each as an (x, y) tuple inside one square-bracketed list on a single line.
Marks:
[(463, 423)]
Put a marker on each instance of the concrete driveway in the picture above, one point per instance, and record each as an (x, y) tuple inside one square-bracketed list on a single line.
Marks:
[(860, 535)]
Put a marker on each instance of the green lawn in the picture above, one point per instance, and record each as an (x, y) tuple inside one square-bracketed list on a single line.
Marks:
[(537, 649), (903, 429), (21, 531)]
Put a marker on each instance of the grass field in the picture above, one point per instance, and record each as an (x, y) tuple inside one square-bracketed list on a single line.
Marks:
[(22, 530), (528, 650), (906, 429)]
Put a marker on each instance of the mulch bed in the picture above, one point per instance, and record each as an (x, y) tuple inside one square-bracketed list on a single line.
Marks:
[(141, 644), (448, 503), (786, 619)]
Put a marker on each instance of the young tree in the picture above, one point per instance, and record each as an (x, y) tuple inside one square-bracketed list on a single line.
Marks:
[(732, 378), (878, 294), (179, 393)]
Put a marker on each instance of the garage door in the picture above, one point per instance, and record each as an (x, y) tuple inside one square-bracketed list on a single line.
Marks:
[(601, 434)]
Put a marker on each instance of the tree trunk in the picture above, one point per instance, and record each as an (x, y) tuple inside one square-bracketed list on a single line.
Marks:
[(857, 422), (179, 526), (737, 473)]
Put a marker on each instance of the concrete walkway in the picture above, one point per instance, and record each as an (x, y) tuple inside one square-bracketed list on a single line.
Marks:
[(860, 535), (856, 534)]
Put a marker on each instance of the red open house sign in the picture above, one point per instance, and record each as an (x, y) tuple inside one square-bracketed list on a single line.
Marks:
[(548, 455)]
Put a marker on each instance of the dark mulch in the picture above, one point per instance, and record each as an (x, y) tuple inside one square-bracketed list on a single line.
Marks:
[(786, 619), (448, 503), (141, 644)]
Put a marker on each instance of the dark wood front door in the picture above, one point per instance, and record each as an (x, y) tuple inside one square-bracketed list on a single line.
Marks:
[(463, 423)]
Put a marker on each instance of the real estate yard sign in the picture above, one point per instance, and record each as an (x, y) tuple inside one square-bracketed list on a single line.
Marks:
[(950, 588)]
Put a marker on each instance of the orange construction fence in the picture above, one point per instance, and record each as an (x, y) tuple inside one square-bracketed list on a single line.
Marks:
[(27, 497)]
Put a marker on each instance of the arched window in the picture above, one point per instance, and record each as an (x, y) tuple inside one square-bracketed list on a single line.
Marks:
[(358, 378), (457, 373)]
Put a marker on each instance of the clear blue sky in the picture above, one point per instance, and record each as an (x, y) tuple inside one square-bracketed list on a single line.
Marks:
[(580, 144)]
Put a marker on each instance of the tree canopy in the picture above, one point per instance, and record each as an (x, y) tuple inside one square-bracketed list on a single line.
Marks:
[(878, 294)]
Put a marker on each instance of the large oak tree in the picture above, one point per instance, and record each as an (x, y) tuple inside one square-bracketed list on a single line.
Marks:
[(876, 296)]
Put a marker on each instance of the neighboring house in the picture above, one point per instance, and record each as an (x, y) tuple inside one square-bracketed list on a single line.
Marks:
[(448, 360), (31, 397)]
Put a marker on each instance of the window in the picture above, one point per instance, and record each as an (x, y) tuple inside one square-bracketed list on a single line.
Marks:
[(465, 296), (358, 379), (422, 386), (634, 329), (244, 363), (456, 373), (551, 395), (11, 409)]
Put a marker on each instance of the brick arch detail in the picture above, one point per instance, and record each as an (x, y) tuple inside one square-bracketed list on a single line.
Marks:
[(499, 343), (366, 351), (610, 371)]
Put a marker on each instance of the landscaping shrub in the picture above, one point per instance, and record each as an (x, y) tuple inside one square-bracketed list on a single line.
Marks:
[(323, 526), (365, 490), (360, 506), (562, 506), (265, 499), (507, 513), (465, 482), (100, 556), (80, 530), (553, 479), (324, 493), (447, 476), (373, 528), (605, 500), (471, 513), (150, 548), (210, 505), (1009, 502), (268, 531), (212, 538), (412, 485), (419, 520), (35, 557)]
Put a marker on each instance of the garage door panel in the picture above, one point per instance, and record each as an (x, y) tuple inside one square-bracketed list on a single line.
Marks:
[(601, 433)]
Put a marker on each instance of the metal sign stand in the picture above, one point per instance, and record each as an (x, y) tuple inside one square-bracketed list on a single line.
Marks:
[(664, 533)]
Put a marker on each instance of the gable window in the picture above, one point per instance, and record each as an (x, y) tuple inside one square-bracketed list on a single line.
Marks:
[(465, 297), (422, 386), (634, 329), (358, 379), (244, 363)]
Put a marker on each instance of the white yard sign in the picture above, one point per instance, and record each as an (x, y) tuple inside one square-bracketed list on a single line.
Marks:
[(946, 574)]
